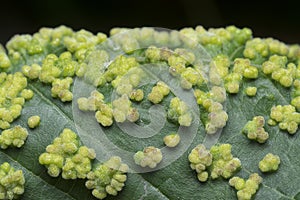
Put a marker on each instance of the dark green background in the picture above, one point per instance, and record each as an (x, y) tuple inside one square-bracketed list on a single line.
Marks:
[(267, 18)]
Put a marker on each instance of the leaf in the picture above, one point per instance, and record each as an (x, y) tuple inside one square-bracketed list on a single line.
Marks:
[(176, 181)]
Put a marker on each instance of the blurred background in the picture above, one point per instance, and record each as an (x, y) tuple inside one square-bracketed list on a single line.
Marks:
[(280, 19)]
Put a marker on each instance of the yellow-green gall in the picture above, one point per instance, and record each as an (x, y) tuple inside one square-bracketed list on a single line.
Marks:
[(153, 54), (172, 140), (32, 72), (179, 112), (280, 70), (272, 122), (232, 82), (34, 121), (4, 60), (250, 72), (92, 103), (240, 64), (119, 67), (108, 178), (192, 76), (223, 164), (251, 91), (269, 163), (200, 96), (150, 157), (186, 54), (232, 87), (61, 89), (254, 129), (286, 117), (27, 94), (217, 117), (122, 110), (11, 182), (296, 102), (246, 189), (200, 159), (104, 115), (4, 124), (158, 92), (137, 95), (124, 88), (12, 90), (222, 64), (14, 137), (177, 64), (78, 165), (155, 96), (218, 94), (54, 67), (65, 154)]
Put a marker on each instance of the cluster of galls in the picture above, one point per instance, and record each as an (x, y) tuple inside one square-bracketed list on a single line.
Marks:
[(286, 116), (31, 49), (172, 140), (42, 49), (280, 70), (117, 69), (14, 137), (128, 84), (296, 93), (123, 110), (13, 94), (11, 182), (200, 159), (246, 188), (254, 129), (57, 71), (95, 102), (150, 157), (180, 112), (4, 60), (158, 92), (107, 178), (212, 102), (269, 163), (65, 154), (242, 68), (217, 40), (218, 161), (180, 62), (259, 49)]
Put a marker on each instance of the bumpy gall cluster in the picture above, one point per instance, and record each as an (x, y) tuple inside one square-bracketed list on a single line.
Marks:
[(246, 189), (65, 154), (179, 112), (11, 182), (95, 102), (286, 117), (13, 137), (150, 157), (224, 164), (158, 92), (254, 129), (12, 97), (172, 140), (107, 178), (200, 159), (269, 163)]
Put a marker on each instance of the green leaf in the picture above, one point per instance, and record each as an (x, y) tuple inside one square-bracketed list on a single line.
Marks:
[(176, 181)]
